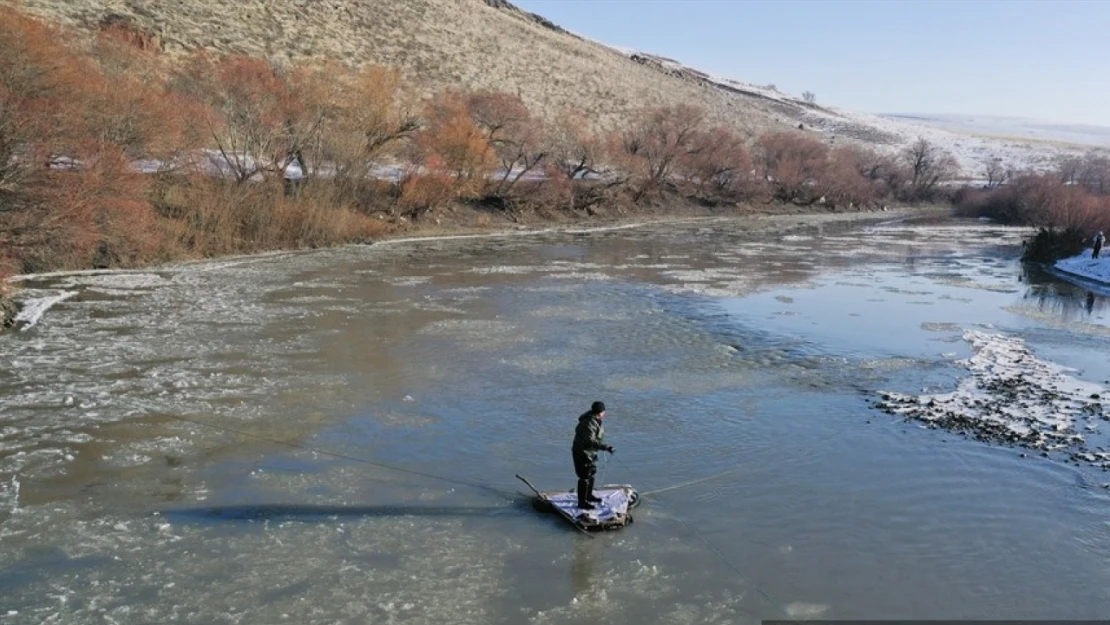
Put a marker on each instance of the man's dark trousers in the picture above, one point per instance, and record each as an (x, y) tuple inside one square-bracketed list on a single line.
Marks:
[(585, 468)]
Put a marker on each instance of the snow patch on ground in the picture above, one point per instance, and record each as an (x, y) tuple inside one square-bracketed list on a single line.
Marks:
[(1083, 266)]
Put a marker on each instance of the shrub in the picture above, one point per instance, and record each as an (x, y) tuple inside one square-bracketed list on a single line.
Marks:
[(718, 164), (793, 165), (842, 183), (1051, 244), (424, 191)]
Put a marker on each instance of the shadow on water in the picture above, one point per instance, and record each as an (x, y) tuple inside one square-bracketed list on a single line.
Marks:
[(313, 513)]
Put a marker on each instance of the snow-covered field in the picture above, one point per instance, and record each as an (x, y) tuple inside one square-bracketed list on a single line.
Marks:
[(973, 140), (972, 151), (1018, 127)]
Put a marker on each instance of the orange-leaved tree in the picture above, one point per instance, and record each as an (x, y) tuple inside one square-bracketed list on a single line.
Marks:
[(38, 76), (516, 137), (843, 184), (69, 195), (255, 121), (367, 118), (451, 142)]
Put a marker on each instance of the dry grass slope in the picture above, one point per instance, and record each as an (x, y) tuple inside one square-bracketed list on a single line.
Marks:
[(439, 43)]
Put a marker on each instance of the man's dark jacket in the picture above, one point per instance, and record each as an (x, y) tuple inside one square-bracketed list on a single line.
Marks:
[(588, 437)]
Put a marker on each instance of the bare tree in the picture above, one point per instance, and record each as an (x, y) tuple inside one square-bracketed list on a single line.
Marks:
[(929, 165), (575, 150), (998, 173), (365, 117), (516, 137), (657, 141), (1095, 173), (1069, 169), (718, 163), (810, 97)]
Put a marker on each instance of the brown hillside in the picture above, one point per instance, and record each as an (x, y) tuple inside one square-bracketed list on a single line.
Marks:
[(439, 43)]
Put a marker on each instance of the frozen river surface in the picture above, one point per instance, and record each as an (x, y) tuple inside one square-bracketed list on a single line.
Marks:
[(220, 442)]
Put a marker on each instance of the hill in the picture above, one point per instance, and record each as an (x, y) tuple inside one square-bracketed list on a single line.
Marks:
[(441, 43), (491, 44)]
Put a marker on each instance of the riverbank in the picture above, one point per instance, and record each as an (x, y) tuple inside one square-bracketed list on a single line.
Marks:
[(758, 219), (466, 222), (8, 310), (1083, 266)]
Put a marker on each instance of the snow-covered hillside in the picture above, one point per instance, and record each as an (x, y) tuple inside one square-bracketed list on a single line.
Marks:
[(973, 140)]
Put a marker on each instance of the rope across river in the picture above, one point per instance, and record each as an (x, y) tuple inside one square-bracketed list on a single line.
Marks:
[(342, 456)]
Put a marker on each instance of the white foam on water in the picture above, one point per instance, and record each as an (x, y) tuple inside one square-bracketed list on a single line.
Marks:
[(9, 495), (506, 269), (800, 610), (583, 276), (409, 280), (32, 309), (542, 365)]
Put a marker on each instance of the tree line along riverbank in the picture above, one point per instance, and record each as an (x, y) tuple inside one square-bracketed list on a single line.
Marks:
[(116, 155)]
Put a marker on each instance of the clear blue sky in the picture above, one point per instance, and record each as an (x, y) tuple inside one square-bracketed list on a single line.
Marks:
[(1040, 59)]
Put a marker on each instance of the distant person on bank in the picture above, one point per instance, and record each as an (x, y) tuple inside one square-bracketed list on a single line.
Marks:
[(1099, 240)]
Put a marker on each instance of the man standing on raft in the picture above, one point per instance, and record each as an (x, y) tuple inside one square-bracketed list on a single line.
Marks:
[(588, 437)]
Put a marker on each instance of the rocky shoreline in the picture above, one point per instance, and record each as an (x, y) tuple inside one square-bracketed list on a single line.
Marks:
[(8, 310)]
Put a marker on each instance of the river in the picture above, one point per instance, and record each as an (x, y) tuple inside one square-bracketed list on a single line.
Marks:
[(332, 436)]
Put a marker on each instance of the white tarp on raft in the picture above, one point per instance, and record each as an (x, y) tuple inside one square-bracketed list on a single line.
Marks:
[(613, 506)]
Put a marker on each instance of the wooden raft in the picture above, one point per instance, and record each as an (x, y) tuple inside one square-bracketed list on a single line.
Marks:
[(613, 512)]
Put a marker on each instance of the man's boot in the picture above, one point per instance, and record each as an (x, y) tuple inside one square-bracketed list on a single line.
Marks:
[(590, 496), (583, 495)]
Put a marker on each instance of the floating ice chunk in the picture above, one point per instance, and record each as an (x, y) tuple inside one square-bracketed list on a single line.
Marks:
[(34, 308), (805, 610), (1011, 397)]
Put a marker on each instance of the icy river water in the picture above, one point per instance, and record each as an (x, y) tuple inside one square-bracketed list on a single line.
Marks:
[(209, 443)]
